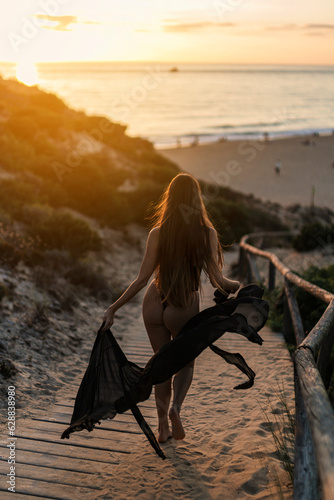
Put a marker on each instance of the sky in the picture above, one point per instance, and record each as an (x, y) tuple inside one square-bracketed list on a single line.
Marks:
[(215, 31)]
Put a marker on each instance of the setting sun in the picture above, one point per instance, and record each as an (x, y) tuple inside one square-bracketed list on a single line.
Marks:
[(26, 72)]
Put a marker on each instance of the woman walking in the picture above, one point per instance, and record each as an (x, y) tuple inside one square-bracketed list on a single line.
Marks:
[(182, 244)]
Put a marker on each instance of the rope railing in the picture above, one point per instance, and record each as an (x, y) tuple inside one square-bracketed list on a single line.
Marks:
[(314, 438)]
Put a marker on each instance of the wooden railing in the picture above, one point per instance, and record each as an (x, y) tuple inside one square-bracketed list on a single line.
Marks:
[(314, 437)]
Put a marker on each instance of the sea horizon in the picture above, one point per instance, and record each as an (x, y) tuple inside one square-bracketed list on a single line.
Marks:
[(178, 103)]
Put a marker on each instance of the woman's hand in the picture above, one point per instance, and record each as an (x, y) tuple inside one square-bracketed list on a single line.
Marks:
[(108, 318)]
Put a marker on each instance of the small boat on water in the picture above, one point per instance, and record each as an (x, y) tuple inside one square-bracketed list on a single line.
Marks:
[(174, 69)]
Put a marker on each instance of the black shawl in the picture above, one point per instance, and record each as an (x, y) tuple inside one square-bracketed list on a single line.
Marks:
[(112, 384)]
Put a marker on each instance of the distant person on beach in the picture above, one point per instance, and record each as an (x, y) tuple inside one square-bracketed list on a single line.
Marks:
[(182, 244), (278, 165), (195, 141)]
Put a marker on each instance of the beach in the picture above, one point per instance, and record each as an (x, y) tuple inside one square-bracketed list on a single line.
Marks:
[(306, 172)]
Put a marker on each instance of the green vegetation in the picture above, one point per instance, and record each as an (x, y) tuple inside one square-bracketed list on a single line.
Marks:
[(60, 230), (311, 308), (3, 291), (314, 235), (233, 218), (60, 167)]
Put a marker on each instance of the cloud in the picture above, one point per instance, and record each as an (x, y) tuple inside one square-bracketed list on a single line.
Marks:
[(320, 26), (175, 27), (283, 27), (305, 29), (58, 23)]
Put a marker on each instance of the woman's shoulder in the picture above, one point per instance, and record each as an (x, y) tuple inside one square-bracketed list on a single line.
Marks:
[(154, 233), (155, 230)]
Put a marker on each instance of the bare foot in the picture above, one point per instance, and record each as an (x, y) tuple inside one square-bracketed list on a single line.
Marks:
[(164, 434), (177, 428)]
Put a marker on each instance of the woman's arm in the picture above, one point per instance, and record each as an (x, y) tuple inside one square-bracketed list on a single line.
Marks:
[(147, 268), (225, 283)]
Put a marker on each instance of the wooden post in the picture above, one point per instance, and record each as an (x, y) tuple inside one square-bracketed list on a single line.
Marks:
[(242, 261), (294, 312), (305, 482), (320, 416), (287, 322), (272, 276), (249, 269), (323, 360), (252, 269)]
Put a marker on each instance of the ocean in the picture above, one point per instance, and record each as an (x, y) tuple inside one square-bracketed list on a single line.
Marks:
[(170, 104)]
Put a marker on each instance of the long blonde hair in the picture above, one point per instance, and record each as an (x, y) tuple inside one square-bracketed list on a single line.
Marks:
[(184, 241)]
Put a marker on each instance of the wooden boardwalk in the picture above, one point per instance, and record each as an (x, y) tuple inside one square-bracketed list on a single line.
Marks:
[(81, 467), (63, 469)]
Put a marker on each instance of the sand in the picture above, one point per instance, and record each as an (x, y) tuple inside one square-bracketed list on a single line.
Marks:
[(249, 167)]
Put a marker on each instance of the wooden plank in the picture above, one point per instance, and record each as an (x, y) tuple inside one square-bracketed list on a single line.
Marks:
[(64, 416), (67, 443), (7, 495), (320, 417), (54, 491), (70, 449), (80, 465), (59, 476), (112, 441), (100, 431)]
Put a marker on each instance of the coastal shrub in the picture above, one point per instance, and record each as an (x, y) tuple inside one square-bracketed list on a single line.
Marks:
[(160, 172), (3, 291), (313, 236), (14, 193), (311, 308), (9, 254), (82, 273), (7, 368), (141, 201), (23, 126), (62, 230), (15, 247), (48, 101), (231, 219), (265, 221)]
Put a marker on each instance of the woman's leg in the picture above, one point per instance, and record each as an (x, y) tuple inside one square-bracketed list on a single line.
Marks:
[(158, 335), (174, 319)]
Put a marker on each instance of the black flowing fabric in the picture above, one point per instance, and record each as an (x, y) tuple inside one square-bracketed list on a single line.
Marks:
[(112, 384)]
